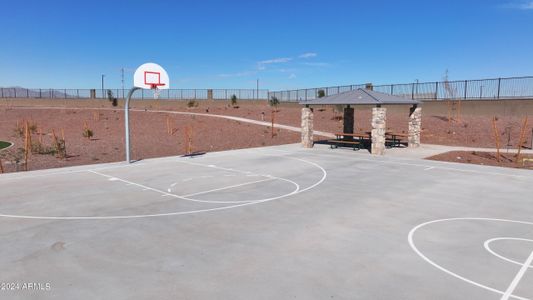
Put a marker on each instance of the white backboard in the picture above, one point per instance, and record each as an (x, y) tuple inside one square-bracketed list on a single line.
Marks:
[(150, 75)]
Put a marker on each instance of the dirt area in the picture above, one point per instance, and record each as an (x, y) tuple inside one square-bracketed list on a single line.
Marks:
[(442, 123), (486, 158), (149, 135), (471, 128)]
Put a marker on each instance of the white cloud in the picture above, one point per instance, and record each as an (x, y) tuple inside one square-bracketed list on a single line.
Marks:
[(239, 74), (527, 5), (308, 55), (292, 76), (317, 64), (524, 5), (262, 64)]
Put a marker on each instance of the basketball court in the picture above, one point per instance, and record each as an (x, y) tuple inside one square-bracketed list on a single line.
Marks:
[(269, 223)]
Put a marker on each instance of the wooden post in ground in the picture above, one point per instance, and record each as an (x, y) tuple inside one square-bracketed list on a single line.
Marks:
[(449, 112), (521, 141), (273, 116), (188, 140), (496, 138), (40, 133), (56, 142), (169, 131), (27, 144), (64, 143), (459, 110), (1, 167)]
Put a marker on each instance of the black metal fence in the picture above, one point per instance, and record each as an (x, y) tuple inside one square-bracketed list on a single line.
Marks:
[(180, 94), (497, 88)]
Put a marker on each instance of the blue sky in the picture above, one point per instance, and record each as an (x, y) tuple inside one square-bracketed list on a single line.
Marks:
[(285, 44)]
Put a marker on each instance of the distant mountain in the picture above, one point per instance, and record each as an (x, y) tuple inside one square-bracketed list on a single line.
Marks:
[(20, 92)]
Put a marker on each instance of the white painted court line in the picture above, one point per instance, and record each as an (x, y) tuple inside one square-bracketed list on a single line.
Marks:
[(518, 277), (175, 213), (410, 239), (77, 170), (163, 193), (227, 187), (218, 167), (398, 161), (487, 247)]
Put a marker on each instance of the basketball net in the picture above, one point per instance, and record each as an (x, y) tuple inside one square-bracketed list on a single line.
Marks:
[(157, 92)]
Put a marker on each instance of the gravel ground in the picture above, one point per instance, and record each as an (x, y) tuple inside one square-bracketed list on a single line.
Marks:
[(149, 135), (486, 158)]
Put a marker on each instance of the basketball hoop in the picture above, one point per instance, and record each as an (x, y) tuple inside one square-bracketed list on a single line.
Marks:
[(157, 91), (153, 79), (147, 76)]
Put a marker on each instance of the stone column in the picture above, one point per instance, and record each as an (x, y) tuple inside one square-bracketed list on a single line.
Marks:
[(415, 124), (307, 127), (379, 116), (348, 120)]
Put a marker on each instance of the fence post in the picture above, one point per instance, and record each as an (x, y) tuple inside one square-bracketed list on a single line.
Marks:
[(499, 85), (65, 92), (78, 93), (2, 92), (412, 91), (15, 92), (51, 94), (436, 90), (466, 84), (392, 89)]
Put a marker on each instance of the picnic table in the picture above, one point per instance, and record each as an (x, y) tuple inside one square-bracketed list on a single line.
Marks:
[(356, 140), (395, 138), (353, 139)]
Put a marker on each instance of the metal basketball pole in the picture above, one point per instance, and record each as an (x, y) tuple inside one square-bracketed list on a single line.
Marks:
[(127, 123)]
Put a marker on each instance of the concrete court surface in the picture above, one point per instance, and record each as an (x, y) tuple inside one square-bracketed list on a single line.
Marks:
[(268, 223)]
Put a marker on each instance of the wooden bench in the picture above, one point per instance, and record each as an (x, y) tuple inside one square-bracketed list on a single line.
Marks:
[(341, 139), (335, 144), (396, 138)]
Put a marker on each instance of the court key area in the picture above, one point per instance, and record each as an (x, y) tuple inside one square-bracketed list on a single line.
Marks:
[(268, 223)]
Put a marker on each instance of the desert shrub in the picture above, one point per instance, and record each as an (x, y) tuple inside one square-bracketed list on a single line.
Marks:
[(18, 131), (192, 103), (32, 127), (38, 148), (88, 133), (111, 98), (20, 128), (14, 156), (233, 100), (320, 93), (61, 149), (273, 101)]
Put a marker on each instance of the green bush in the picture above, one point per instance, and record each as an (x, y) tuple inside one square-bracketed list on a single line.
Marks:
[(321, 93), (273, 101)]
